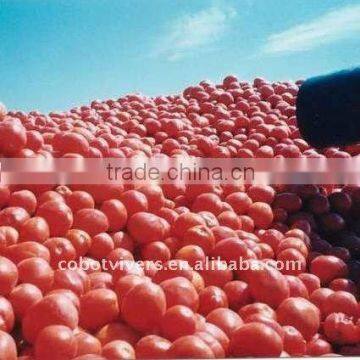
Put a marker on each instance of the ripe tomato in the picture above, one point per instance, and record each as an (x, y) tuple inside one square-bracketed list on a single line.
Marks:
[(34, 229), (255, 339), (116, 214), (328, 268), (146, 227), (143, 306), (226, 319), (8, 275), (92, 221), (118, 349), (8, 349), (178, 321), (78, 200), (54, 309), (55, 341), (7, 317), (97, 308), (301, 314), (13, 216), (152, 347), (58, 216), (87, 343), (190, 346), (294, 342), (212, 298), (23, 297), (117, 331)]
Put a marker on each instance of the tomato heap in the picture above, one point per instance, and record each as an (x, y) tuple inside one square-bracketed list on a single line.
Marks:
[(132, 311)]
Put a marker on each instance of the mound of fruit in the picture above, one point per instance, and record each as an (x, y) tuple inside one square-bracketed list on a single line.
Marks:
[(125, 271)]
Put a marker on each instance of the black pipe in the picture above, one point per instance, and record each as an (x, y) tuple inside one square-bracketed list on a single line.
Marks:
[(328, 109)]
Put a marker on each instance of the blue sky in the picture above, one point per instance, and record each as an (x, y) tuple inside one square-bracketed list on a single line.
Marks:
[(58, 54)]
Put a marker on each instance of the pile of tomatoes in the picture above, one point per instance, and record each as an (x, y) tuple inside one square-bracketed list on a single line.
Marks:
[(139, 310)]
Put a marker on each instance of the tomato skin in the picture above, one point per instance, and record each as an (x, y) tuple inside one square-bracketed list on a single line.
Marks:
[(143, 306), (35, 229), (226, 319), (328, 268), (200, 235), (318, 347), (60, 249), (180, 291), (238, 294), (267, 285), (117, 331), (54, 309), (58, 216), (294, 342), (87, 344), (22, 297), (212, 298), (340, 329), (8, 275), (12, 136), (78, 200), (213, 344), (184, 222), (36, 271), (341, 301), (7, 346), (189, 346), (7, 317), (13, 216), (97, 308), (118, 349), (92, 221), (146, 227), (57, 342), (255, 339), (178, 321), (80, 240), (301, 314), (116, 213), (152, 347)]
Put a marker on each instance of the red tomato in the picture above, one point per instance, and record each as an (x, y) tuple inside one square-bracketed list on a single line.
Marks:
[(87, 344), (200, 235), (341, 301), (238, 294), (226, 319), (328, 268), (7, 317), (23, 297), (78, 200), (155, 251), (340, 329), (294, 342), (80, 240), (7, 346), (255, 339), (118, 350), (146, 227), (54, 309), (257, 308), (34, 229), (212, 298), (13, 216), (189, 346), (143, 306), (117, 331), (57, 342), (193, 254), (184, 222), (152, 347), (266, 284), (178, 321), (58, 216), (301, 314), (116, 213), (97, 308), (8, 275), (12, 136), (61, 251), (25, 199), (134, 201), (92, 221)]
